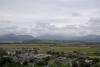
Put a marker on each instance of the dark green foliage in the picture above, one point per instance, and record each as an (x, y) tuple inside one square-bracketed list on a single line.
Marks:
[(97, 65), (5, 60), (95, 60), (8, 62), (41, 63), (57, 63), (2, 52), (74, 64), (25, 63)]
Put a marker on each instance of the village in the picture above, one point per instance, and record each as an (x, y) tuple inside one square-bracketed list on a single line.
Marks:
[(36, 56), (22, 55)]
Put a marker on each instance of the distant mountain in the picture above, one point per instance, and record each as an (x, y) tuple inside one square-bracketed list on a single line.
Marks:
[(15, 38), (88, 38), (57, 37), (91, 38), (43, 38)]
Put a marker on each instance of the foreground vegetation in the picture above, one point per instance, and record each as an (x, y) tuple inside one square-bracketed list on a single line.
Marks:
[(88, 55)]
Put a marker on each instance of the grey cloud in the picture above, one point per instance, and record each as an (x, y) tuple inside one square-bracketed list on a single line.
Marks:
[(8, 30), (76, 14), (92, 27), (95, 25), (95, 21), (46, 28), (38, 17)]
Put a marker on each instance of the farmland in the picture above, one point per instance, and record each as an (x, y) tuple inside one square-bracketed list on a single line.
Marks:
[(68, 47)]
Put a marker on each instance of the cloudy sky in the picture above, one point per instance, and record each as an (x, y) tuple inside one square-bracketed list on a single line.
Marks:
[(40, 17)]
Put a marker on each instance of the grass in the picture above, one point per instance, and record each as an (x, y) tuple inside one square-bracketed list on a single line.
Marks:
[(60, 48)]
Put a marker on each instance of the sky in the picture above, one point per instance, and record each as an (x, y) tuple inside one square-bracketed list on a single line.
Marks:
[(41, 17)]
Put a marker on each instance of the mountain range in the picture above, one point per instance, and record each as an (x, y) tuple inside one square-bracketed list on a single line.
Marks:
[(71, 37), (21, 38), (15, 38)]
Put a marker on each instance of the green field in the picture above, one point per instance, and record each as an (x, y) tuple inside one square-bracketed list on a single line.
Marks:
[(58, 47)]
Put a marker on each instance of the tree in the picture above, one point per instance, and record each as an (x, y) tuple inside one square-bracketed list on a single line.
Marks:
[(74, 64), (41, 63), (95, 60), (81, 63), (5, 60), (2, 52)]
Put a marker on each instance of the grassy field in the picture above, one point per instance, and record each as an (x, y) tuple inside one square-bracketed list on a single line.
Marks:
[(57, 47)]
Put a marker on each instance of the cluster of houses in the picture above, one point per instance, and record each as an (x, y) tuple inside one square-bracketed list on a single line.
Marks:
[(23, 55), (26, 54)]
